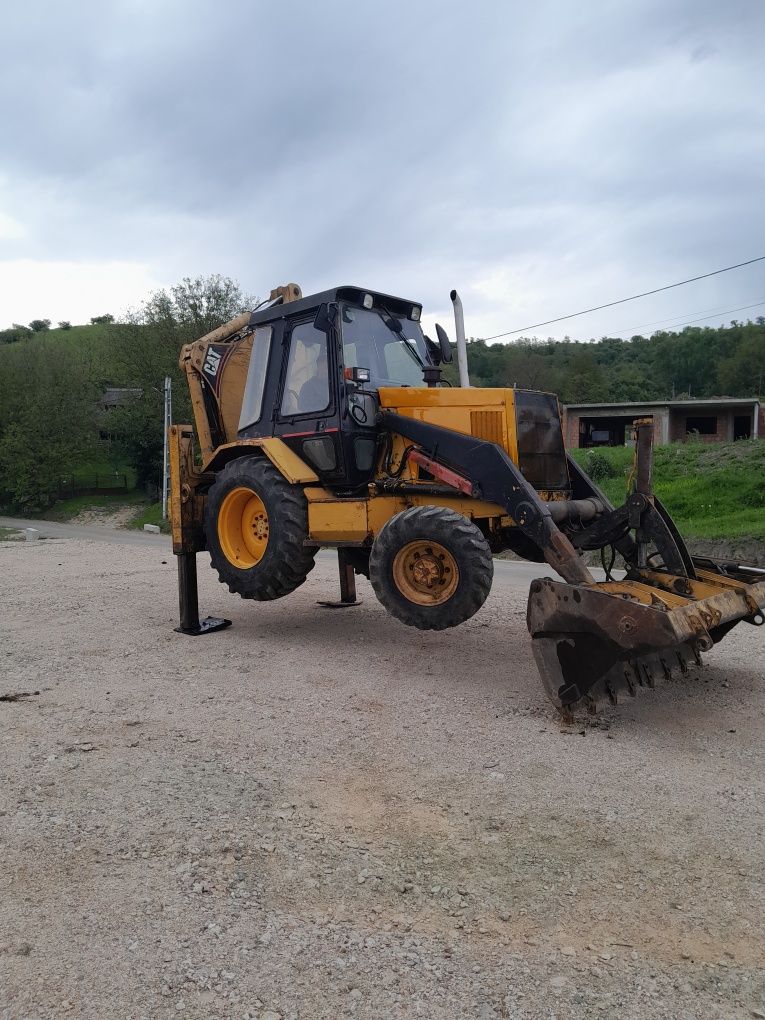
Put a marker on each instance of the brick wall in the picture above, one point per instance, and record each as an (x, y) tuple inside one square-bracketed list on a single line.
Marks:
[(678, 428)]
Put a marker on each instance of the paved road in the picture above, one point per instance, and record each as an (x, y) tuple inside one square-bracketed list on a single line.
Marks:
[(54, 529), (514, 574)]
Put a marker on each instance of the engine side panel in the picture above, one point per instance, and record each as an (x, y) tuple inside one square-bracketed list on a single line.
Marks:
[(486, 413)]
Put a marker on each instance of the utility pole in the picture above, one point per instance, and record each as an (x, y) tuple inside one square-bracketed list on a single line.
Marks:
[(165, 461)]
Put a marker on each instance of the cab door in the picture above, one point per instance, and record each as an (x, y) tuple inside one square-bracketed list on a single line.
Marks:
[(307, 416)]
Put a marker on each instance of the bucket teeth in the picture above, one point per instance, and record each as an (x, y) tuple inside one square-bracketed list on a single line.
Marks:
[(593, 642), (622, 677)]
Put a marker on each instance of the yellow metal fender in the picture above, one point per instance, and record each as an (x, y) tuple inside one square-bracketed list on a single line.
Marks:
[(285, 460)]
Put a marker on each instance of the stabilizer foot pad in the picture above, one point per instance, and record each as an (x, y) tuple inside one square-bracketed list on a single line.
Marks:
[(206, 626), (339, 605)]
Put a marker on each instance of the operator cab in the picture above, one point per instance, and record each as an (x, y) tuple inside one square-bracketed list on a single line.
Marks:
[(316, 384)]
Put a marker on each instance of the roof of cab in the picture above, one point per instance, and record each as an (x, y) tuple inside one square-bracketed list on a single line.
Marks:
[(344, 293)]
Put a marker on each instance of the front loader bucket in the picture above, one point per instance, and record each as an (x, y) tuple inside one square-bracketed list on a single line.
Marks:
[(595, 641)]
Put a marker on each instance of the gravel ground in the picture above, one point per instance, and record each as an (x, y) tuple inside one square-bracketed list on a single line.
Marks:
[(323, 813)]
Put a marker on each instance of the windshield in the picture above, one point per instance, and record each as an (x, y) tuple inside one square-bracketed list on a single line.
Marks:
[(393, 359)]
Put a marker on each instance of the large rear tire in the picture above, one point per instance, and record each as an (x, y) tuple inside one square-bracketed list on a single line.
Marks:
[(255, 527), (431, 567)]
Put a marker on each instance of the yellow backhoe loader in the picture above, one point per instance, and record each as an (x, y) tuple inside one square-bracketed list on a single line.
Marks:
[(322, 421)]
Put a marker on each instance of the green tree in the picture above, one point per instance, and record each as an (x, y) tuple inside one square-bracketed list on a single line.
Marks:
[(631, 382), (65, 325), (150, 343), (529, 369), (14, 334), (584, 381), (48, 411), (39, 325), (743, 372), (102, 320)]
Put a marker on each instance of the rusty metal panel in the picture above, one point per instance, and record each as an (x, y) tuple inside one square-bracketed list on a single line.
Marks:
[(541, 454), (595, 641), (186, 502)]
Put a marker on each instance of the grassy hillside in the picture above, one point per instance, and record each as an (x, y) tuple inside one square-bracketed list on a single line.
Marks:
[(94, 344), (712, 491)]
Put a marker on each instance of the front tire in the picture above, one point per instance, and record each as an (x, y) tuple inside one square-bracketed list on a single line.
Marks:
[(255, 527), (431, 568)]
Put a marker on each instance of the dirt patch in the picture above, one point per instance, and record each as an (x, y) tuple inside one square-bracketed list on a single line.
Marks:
[(107, 517)]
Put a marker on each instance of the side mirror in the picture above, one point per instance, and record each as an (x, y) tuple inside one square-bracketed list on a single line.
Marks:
[(325, 317), (446, 347), (434, 350)]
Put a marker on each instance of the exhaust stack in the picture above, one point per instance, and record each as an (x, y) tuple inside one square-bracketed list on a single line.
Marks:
[(459, 325)]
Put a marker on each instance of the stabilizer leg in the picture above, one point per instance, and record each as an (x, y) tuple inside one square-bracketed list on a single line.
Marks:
[(347, 584), (188, 600)]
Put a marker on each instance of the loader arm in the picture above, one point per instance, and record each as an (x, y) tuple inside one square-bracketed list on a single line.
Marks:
[(592, 640), (497, 479)]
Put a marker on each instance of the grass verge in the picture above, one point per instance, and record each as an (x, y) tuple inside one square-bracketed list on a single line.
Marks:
[(712, 492), (150, 514)]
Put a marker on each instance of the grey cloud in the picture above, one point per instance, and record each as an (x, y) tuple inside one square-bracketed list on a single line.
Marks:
[(398, 144)]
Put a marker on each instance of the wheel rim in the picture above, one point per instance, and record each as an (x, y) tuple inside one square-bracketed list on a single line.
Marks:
[(243, 528), (426, 573)]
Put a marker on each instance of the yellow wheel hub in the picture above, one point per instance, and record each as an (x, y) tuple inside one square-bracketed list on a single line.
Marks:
[(426, 573), (243, 528)]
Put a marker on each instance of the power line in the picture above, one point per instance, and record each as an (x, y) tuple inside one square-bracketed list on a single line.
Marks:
[(621, 301), (683, 321), (741, 309), (671, 319)]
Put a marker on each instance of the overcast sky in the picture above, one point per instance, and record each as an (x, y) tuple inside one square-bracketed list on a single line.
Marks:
[(540, 158)]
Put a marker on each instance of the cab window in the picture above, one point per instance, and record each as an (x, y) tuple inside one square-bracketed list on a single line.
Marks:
[(306, 384), (393, 358)]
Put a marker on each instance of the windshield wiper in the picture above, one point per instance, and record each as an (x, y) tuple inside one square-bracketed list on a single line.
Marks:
[(394, 325)]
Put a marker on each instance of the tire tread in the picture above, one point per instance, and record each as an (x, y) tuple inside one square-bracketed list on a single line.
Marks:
[(292, 561), (451, 529)]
